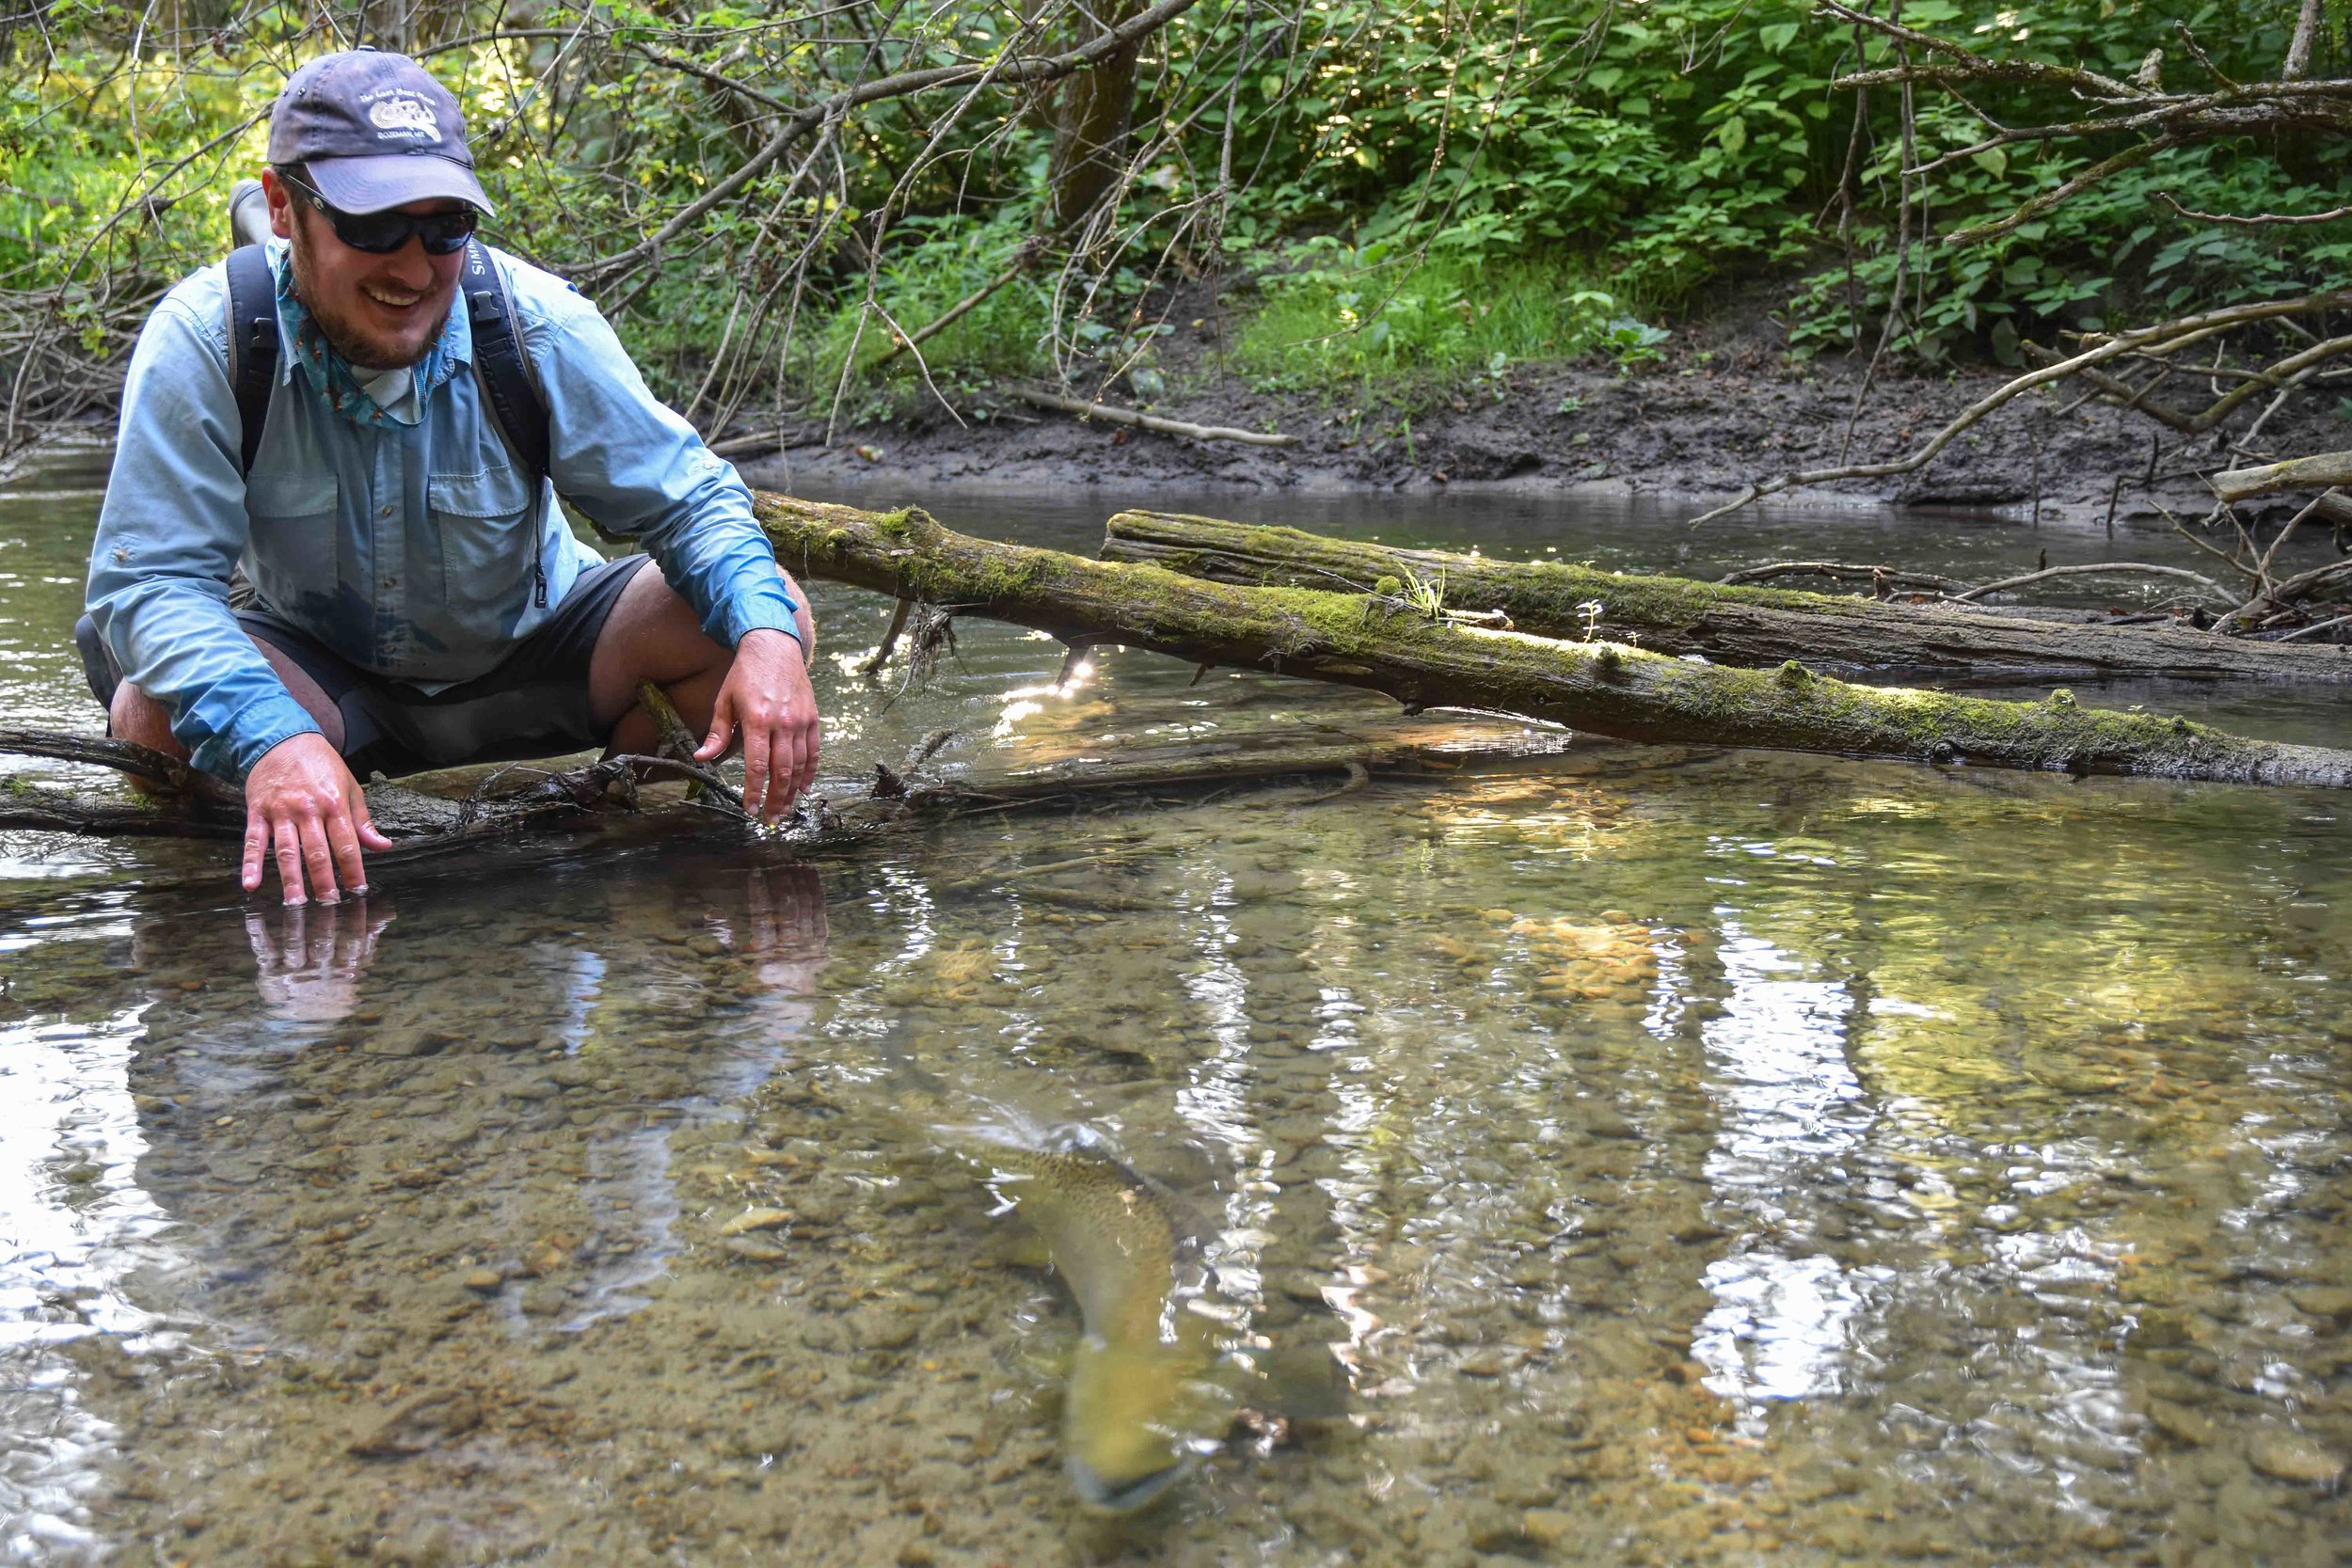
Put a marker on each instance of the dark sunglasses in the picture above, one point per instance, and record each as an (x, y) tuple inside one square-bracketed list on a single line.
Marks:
[(382, 234)]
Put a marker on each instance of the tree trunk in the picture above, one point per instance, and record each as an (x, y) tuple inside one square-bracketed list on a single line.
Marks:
[(1092, 114), (1732, 624), (1605, 688)]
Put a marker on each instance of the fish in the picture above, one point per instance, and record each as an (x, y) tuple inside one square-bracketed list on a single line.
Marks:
[(1143, 1403)]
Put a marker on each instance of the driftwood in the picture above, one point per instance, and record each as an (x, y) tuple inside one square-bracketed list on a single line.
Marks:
[(1154, 423), (1609, 688), (1730, 625), (497, 803)]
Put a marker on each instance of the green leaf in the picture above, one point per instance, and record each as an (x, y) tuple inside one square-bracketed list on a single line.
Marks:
[(1778, 35), (1993, 159), (1733, 133)]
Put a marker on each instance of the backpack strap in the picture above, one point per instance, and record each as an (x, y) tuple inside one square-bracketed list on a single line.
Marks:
[(506, 385), (252, 344), (497, 359)]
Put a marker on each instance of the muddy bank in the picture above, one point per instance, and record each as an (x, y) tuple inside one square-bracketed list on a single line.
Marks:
[(1724, 406)]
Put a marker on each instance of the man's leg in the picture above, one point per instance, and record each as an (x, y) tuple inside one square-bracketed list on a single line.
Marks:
[(652, 635), (140, 719)]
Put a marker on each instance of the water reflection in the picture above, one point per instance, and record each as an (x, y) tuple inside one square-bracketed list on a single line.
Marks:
[(1688, 1157), (1791, 1111), (76, 1230)]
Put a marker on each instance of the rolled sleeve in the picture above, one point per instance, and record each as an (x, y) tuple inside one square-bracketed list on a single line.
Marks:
[(169, 533), (641, 472)]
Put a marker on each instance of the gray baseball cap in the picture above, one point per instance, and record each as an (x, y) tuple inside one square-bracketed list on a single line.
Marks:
[(375, 131)]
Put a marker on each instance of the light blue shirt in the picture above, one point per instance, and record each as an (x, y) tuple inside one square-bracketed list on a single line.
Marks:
[(405, 548)]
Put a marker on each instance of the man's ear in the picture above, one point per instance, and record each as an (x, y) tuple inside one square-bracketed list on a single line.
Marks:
[(281, 210)]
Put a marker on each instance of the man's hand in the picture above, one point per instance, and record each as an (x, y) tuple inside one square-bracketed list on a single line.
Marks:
[(768, 695), (302, 805)]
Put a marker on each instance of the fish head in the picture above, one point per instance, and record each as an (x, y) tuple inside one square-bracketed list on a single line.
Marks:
[(1135, 1420)]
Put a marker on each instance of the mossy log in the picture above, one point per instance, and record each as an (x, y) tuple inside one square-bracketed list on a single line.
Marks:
[(1608, 688), (1732, 624)]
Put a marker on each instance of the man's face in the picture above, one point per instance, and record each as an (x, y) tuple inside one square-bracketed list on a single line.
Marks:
[(380, 312)]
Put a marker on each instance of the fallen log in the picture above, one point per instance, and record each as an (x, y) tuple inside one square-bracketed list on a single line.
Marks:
[(1610, 689), (470, 807), (1730, 625)]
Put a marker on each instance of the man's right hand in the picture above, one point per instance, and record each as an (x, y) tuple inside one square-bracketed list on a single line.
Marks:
[(303, 807)]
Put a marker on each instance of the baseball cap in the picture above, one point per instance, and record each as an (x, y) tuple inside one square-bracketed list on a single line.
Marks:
[(375, 131)]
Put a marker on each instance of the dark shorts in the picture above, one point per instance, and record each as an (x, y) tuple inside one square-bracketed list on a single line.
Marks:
[(534, 703)]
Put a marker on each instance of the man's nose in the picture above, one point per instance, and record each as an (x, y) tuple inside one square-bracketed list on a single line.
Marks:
[(410, 266)]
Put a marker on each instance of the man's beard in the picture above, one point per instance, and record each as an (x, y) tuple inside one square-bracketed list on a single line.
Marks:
[(357, 349)]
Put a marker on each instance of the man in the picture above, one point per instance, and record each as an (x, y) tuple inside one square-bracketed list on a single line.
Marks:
[(419, 603)]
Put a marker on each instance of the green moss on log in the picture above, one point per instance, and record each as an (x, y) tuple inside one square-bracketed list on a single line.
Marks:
[(1611, 688)]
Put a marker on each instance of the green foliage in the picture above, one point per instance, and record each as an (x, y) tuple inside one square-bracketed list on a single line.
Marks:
[(1421, 191), (1367, 317)]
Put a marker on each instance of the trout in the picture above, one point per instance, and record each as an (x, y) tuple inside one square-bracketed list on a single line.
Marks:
[(1140, 1407)]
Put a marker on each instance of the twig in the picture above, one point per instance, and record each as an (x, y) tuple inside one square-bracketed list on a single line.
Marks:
[(872, 665), (2316, 629)]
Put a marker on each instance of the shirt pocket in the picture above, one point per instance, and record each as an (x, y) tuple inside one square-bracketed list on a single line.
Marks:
[(295, 520), (487, 547)]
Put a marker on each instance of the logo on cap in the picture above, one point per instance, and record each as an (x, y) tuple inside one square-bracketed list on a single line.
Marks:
[(403, 116)]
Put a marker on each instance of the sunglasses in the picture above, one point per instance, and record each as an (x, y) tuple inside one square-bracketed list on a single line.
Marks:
[(382, 234)]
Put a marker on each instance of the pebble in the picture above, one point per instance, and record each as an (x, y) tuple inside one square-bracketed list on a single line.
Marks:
[(2293, 1457), (2322, 1301), (1547, 1526), (2179, 1423), (485, 1280)]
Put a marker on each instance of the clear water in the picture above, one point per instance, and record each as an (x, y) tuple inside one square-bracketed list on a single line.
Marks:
[(1673, 1156)]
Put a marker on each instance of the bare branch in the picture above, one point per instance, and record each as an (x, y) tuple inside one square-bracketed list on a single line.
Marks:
[(2254, 220)]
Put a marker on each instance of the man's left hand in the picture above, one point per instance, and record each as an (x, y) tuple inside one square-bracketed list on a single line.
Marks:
[(767, 693)]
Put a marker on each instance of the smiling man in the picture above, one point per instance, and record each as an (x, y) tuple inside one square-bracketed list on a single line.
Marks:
[(420, 602)]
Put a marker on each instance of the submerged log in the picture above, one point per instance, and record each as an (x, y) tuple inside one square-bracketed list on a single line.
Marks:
[(1365, 639), (483, 805), (1729, 623)]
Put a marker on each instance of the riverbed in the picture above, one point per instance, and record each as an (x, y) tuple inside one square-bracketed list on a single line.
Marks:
[(1596, 1153)]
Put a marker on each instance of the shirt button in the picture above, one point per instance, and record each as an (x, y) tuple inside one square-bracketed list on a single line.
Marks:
[(385, 512)]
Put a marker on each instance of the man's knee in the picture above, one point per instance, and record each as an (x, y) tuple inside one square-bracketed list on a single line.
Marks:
[(139, 719)]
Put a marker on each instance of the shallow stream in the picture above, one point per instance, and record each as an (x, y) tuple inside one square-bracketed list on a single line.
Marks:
[(1636, 1155)]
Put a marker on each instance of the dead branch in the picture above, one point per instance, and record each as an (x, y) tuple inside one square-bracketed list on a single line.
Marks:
[(2162, 337), (2104, 568), (801, 122), (2319, 471), (2252, 220), (1890, 578), (1109, 415)]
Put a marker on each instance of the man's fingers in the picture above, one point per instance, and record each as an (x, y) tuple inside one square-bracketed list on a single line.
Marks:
[(289, 859), (722, 728), (811, 738), (320, 860), (371, 836), (756, 761), (343, 841), (256, 848)]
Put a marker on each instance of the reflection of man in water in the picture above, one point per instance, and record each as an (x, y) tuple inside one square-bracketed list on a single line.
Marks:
[(308, 964), (420, 603), (526, 1120)]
